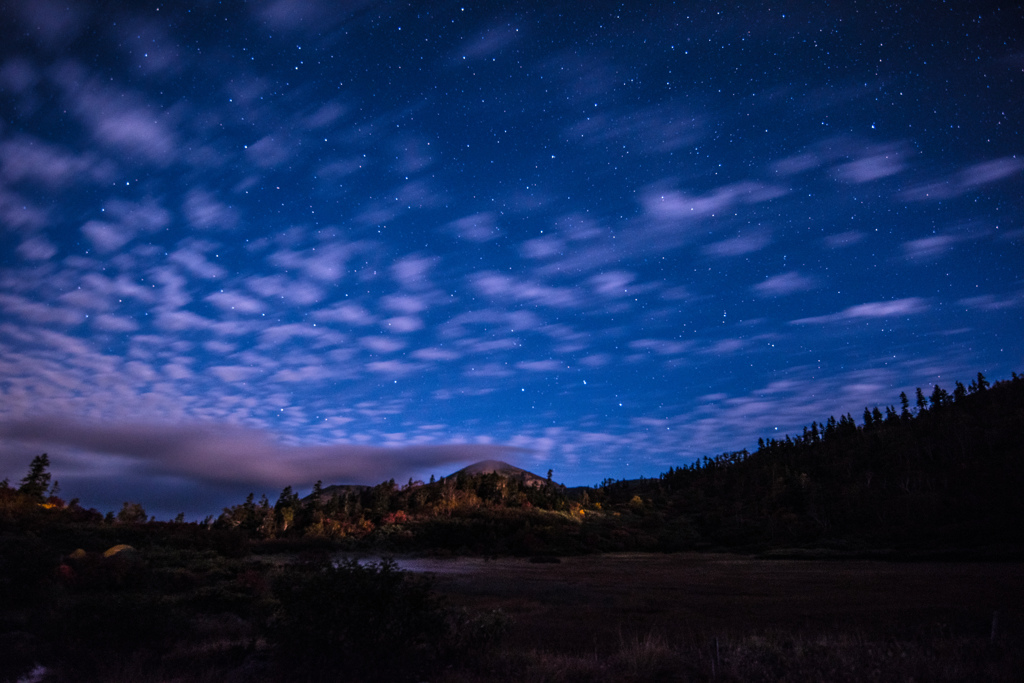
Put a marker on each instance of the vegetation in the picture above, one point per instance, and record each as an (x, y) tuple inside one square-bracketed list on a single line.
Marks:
[(941, 477), (122, 596)]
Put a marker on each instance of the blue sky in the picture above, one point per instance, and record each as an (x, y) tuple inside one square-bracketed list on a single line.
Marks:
[(246, 245)]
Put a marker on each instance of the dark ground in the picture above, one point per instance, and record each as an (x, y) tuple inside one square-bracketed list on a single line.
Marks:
[(805, 618)]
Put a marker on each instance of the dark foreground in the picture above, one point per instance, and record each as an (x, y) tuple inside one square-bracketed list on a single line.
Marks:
[(723, 617)]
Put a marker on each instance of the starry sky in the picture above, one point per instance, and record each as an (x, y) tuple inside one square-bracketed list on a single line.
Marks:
[(246, 245)]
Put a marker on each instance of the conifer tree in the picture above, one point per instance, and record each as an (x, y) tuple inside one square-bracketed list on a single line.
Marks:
[(37, 481)]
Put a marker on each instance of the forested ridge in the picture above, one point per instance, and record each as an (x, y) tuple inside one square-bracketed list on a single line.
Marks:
[(940, 473), (937, 473)]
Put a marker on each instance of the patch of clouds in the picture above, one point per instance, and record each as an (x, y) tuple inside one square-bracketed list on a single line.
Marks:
[(479, 227), (993, 302), (39, 313), (382, 345), (228, 453), (192, 257), (931, 248), (545, 247), (541, 365), (325, 263), (843, 239), (28, 159), (18, 75), (739, 245), (404, 303), (881, 164), (966, 180), (897, 308), (432, 354), (37, 248), (282, 288), (504, 287), (662, 347), (613, 283), (234, 301), (114, 323), (488, 42), (52, 24), (269, 151), (796, 164), (107, 237), (785, 284), (403, 324), (393, 367), (205, 212), (412, 272), (675, 205), (18, 213), (347, 313)]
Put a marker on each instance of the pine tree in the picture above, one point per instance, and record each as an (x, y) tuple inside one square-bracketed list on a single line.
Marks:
[(37, 481)]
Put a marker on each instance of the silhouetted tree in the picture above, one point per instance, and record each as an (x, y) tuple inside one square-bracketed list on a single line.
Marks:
[(37, 481)]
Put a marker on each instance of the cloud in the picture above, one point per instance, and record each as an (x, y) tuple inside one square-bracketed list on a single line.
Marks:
[(395, 368), (233, 301), (614, 283), (843, 239), (114, 323), (39, 313), (966, 180), (18, 213), (53, 24), (411, 271), (784, 283), (500, 286), (933, 247), (205, 212), (739, 245), (403, 324), (192, 259), (480, 227), (325, 263), (488, 42), (27, 159), (124, 221), (435, 354), (404, 303), (228, 454), (37, 248), (284, 289), (348, 313), (310, 16), (107, 237), (879, 309), (874, 167), (541, 365), (119, 119), (992, 302), (382, 344), (675, 205), (268, 151)]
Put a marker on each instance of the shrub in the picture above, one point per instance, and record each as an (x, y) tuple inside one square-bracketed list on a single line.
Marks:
[(361, 622)]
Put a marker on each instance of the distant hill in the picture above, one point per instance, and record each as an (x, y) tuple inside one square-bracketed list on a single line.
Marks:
[(505, 470), (329, 492)]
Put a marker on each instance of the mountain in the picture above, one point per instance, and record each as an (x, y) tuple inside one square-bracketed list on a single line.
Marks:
[(504, 469)]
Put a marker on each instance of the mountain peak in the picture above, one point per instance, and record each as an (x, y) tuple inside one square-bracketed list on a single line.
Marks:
[(504, 469)]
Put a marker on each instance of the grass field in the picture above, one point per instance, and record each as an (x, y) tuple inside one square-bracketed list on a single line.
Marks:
[(704, 617)]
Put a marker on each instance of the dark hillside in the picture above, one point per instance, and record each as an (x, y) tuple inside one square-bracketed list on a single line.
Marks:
[(943, 475)]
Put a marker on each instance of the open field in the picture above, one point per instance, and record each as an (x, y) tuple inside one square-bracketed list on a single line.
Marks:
[(694, 616)]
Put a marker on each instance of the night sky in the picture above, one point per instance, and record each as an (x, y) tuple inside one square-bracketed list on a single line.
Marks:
[(246, 245)]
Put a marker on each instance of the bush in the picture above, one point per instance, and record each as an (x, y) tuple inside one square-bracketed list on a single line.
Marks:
[(350, 621)]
